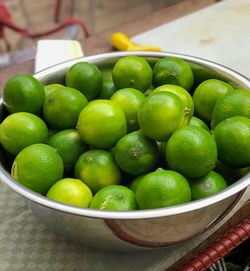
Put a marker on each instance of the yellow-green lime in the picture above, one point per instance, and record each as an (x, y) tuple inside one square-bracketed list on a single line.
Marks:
[(236, 103), (101, 124), (207, 185), (198, 123), (71, 191), (191, 151), (69, 146), (183, 94), (174, 71), (207, 94), (149, 91), (136, 154), (38, 167), (132, 72), (23, 93), (115, 198), (162, 188), (232, 137), (20, 130), (52, 87), (97, 169), (135, 182), (62, 107), (161, 114), (130, 100), (86, 78)]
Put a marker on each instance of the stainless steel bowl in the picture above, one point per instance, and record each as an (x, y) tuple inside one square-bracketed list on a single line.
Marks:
[(131, 230)]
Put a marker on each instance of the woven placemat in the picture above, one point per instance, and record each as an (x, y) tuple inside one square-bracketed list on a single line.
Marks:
[(27, 244)]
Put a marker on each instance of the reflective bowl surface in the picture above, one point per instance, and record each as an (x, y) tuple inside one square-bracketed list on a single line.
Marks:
[(142, 229)]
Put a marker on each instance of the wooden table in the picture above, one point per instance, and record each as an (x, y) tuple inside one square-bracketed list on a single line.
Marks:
[(99, 44)]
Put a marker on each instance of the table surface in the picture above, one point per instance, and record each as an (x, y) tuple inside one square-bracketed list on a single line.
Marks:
[(26, 244), (220, 33)]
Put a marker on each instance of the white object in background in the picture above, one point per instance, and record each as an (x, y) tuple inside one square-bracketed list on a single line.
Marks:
[(51, 52)]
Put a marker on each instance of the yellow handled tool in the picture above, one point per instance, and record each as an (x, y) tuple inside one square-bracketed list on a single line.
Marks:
[(123, 43)]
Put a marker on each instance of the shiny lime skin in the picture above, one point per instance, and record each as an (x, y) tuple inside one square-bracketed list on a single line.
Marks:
[(207, 185), (232, 137), (20, 130), (38, 167), (160, 115), (191, 151), (162, 188), (23, 93), (86, 78), (207, 94), (97, 169), (132, 72), (71, 191), (101, 124), (136, 154), (174, 71), (115, 198), (130, 100)]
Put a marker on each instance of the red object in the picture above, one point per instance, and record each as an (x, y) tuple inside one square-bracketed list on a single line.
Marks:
[(5, 21), (220, 248)]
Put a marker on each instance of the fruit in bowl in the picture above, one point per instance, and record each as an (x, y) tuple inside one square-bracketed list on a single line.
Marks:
[(160, 126)]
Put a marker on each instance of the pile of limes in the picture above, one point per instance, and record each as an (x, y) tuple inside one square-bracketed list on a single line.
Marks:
[(141, 135)]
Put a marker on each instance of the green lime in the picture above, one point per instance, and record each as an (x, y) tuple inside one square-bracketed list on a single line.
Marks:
[(135, 182), (161, 114), (106, 74), (162, 188), (52, 132), (38, 167), (207, 185), (115, 198), (136, 154), (184, 95), (130, 101), (108, 89), (232, 137), (191, 151), (174, 71), (20, 130), (132, 72), (149, 91), (97, 169), (23, 93), (86, 78), (69, 146), (198, 123), (207, 94), (62, 107), (236, 103), (101, 124), (71, 191), (52, 87), (231, 174)]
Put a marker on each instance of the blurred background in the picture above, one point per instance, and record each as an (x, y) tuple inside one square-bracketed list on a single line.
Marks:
[(41, 17)]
